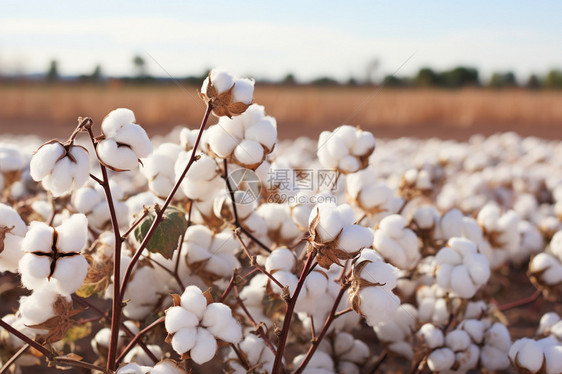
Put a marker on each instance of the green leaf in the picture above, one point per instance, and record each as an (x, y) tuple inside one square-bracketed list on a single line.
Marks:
[(168, 233)]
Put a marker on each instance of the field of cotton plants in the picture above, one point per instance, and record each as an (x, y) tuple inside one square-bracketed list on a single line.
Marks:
[(224, 249)]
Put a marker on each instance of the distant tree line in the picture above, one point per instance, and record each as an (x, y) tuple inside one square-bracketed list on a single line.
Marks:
[(458, 77)]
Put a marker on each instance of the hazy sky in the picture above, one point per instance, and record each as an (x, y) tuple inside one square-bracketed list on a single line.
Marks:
[(271, 39)]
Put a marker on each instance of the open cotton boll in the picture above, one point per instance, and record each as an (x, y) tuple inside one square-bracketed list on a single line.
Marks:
[(12, 232), (398, 244), (184, 339), (527, 353), (139, 356), (167, 367), (221, 80), (72, 234), (320, 360), (377, 304), (193, 300), (263, 131), (441, 359), (243, 91), (133, 368), (432, 335), (547, 321), (38, 307), (44, 160), (249, 152), (205, 347), (117, 119), (399, 327), (135, 137), (221, 142), (280, 259), (69, 274), (287, 279), (178, 317), (117, 157), (354, 238)]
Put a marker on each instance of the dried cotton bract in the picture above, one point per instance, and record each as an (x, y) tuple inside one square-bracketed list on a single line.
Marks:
[(227, 95), (124, 142), (334, 234)]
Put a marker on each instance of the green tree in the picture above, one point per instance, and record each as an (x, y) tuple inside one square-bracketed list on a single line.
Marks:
[(534, 82), (140, 66), (426, 77), (502, 80), (53, 71), (553, 79), (459, 77), (96, 74)]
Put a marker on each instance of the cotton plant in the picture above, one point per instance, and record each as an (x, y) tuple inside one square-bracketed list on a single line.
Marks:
[(397, 331), (226, 94), (123, 141), (346, 149), (202, 180), (246, 139), (537, 356), (194, 325), (350, 354), (162, 367), (257, 356), (280, 227)]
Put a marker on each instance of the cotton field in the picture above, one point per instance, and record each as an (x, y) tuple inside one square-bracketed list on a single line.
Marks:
[(223, 248)]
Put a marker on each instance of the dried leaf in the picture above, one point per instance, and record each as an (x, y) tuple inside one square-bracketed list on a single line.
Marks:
[(60, 323), (3, 231)]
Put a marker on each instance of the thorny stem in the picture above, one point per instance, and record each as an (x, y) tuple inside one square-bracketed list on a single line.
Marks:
[(520, 302), (277, 364), (331, 317), (254, 263), (25, 338), (235, 211), (137, 337), (14, 358), (116, 308)]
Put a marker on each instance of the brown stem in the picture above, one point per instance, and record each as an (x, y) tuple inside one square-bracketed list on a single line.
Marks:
[(382, 356), (331, 317), (96, 179), (160, 213), (277, 364), (81, 364), (232, 283), (258, 327), (254, 263), (14, 358), (25, 338), (235, 211), (521, 302), (136, 339), (145, 213)]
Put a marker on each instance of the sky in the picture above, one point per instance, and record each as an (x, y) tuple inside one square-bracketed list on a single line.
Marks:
[(268, 40)]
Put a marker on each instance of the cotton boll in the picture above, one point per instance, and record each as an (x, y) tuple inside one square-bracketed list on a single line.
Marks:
[(432, 336), (185, 339), (243, 91), (193, 300), (69, 273), (217, 316), (205, 347), (349, 164), (135, 137), (441, 359), (221, 80), (364, 144), (167, 367), (553, 359), (221, 142), (457, 340), (474, 328), (280, 259), (72, 234), (249, 152), (44, 159), (115, 120), (377, 304), (133, 369), (527, 354), (547, 321), (139, 356), (117, 157), (178, 317), (264, 131)]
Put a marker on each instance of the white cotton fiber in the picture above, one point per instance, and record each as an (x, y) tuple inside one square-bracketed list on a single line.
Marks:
[(115, 120), (243, 91), (432, 335), (193, 300), (69, 273), (441, 359), (280, 259), (178, 317), (72, 234), (354, 238), (205, 347), (120, 158), (135, 136), (184, 339), (221, 80), (249, 152), (43, 161)]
